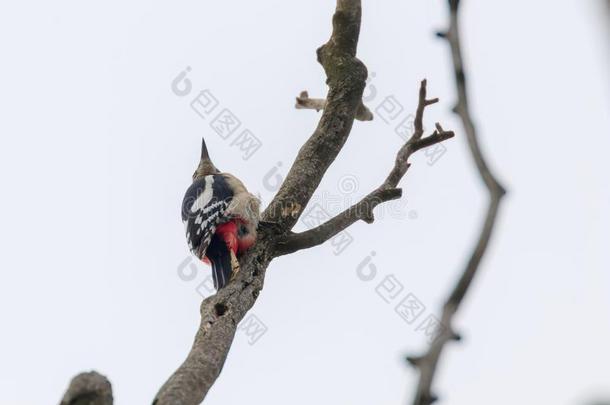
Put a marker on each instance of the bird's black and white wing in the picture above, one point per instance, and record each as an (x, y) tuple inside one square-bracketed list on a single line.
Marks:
[(203, 209)]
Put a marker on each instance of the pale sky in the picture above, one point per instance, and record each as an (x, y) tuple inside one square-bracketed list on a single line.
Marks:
[(97, 151)]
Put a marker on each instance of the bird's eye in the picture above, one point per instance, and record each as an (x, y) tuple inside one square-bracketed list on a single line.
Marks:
[(242, 230)]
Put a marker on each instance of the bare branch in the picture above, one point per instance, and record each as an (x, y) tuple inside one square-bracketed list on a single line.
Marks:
[(316, 236), (427, 363), (89, 388), (346, 76), (363, 210), (221, 313), (305, 103)]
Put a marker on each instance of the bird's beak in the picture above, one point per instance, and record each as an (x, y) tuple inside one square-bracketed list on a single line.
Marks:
[(205, 155), (206, 167)]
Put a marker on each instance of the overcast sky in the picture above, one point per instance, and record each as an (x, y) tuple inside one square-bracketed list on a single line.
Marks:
[(97, 151)]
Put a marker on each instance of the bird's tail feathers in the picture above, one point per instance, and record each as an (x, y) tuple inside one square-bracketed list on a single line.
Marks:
[(220, 258)]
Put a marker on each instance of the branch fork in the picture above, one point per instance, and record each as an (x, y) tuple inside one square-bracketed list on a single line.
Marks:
[(222, 312), (363, 210)]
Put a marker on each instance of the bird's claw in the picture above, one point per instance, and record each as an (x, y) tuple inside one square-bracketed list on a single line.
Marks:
[(234, 264)]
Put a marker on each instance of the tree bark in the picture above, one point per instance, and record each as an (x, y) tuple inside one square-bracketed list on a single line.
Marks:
[(89, 388), (222, 312)]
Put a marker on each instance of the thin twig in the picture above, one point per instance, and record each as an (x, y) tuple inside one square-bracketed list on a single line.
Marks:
[(305, 103), (363, 210), (428, 362)]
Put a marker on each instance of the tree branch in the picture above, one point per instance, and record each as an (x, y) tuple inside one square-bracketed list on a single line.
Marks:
[(221, 313), (363, 210), (346, 76), (89, 388), (305, 103), (427, 363)]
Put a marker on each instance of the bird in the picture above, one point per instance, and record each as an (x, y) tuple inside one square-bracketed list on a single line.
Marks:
[(220, 218)]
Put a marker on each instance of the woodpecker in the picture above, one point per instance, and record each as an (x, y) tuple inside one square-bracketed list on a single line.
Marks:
[(220, 218)]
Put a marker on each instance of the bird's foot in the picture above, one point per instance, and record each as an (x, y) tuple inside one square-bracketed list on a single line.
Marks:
[(234, 264)]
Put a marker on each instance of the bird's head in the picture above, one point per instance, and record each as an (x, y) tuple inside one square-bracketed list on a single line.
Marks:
[(206, 167)]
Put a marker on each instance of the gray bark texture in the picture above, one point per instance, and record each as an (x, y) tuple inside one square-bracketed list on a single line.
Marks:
[(222, 312), (89, 388)]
